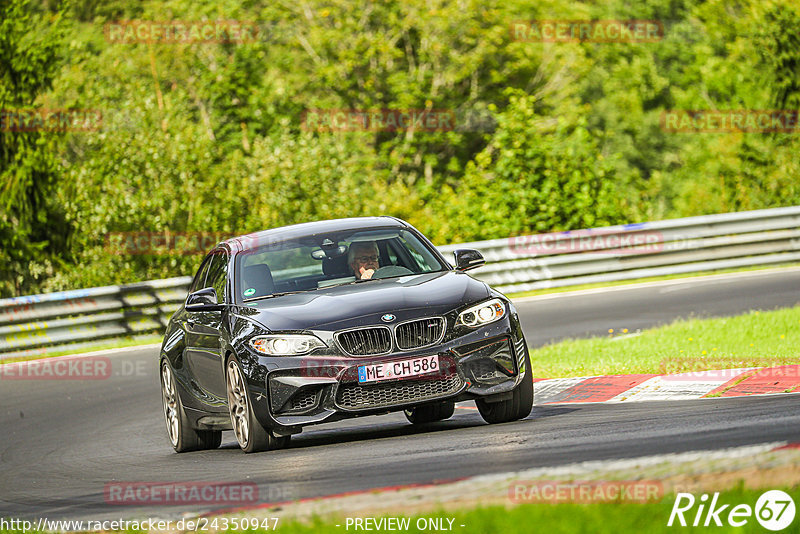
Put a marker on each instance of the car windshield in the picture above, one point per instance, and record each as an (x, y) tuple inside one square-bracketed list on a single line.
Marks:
[(328, 259)]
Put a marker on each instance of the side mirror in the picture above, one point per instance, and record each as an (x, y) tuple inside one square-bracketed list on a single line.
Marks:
[(467, 258), (203, 300)]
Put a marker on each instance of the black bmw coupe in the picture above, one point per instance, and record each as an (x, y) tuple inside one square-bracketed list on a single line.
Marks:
[(328, 320)]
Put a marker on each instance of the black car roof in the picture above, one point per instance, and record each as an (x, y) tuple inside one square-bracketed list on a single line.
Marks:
[(248, 241)]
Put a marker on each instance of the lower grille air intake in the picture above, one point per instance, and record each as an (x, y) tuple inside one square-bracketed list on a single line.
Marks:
[(358, 396)]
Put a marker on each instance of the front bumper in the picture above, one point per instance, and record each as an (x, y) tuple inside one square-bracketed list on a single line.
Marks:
[(299, 391)]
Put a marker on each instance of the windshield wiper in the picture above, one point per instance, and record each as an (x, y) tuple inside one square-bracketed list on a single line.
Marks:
[(274, 295), (390, 277)]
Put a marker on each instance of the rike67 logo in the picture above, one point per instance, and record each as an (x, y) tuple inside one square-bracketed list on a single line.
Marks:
[(774, 510)]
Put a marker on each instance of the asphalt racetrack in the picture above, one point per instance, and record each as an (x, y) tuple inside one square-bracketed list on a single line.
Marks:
[(64, 441)]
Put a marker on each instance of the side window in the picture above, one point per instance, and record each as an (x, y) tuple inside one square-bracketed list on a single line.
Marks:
[(218, 274), (390, 251), (401, 255), (200, 278)]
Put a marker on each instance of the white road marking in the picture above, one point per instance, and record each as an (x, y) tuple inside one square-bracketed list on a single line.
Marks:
[(547, 390), (674, 281), (683, 386)]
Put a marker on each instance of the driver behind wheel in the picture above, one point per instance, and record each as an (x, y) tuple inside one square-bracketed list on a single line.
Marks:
[(363, 259)]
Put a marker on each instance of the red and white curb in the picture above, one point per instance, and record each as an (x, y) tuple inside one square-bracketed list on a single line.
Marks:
[(681, 386)]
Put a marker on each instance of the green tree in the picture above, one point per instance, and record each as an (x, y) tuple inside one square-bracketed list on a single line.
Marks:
[(538, 174), (33, 235), (779, 46), (209, 137)]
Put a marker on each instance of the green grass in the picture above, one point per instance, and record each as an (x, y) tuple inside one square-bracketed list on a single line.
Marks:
[(755, 339), (581, 287), (596, 518)]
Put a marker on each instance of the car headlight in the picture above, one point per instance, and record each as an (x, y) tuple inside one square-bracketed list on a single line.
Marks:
[(286, 344), (483, 313)]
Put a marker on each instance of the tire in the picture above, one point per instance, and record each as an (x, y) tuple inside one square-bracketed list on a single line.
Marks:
[(429, 413), (252, 437), (519, 406), (181, 435)]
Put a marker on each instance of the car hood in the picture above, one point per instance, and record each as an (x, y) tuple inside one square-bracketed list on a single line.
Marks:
[(352, 305)]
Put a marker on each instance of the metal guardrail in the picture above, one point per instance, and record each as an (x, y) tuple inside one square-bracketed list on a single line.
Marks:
[(521, 263), (676, 246), (66, 317)]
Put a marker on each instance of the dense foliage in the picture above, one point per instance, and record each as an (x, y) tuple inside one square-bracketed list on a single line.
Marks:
[(210, 137)]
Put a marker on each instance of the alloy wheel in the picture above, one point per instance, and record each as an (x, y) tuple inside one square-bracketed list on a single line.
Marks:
[(238, 403), (170, 402)]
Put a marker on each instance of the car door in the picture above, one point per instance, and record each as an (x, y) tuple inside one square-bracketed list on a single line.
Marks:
[(204, 352)]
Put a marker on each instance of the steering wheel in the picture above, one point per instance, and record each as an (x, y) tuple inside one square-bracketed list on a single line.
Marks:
[(390, 271)]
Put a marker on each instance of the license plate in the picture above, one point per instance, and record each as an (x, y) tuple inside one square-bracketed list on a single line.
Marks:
[(399, 369)]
